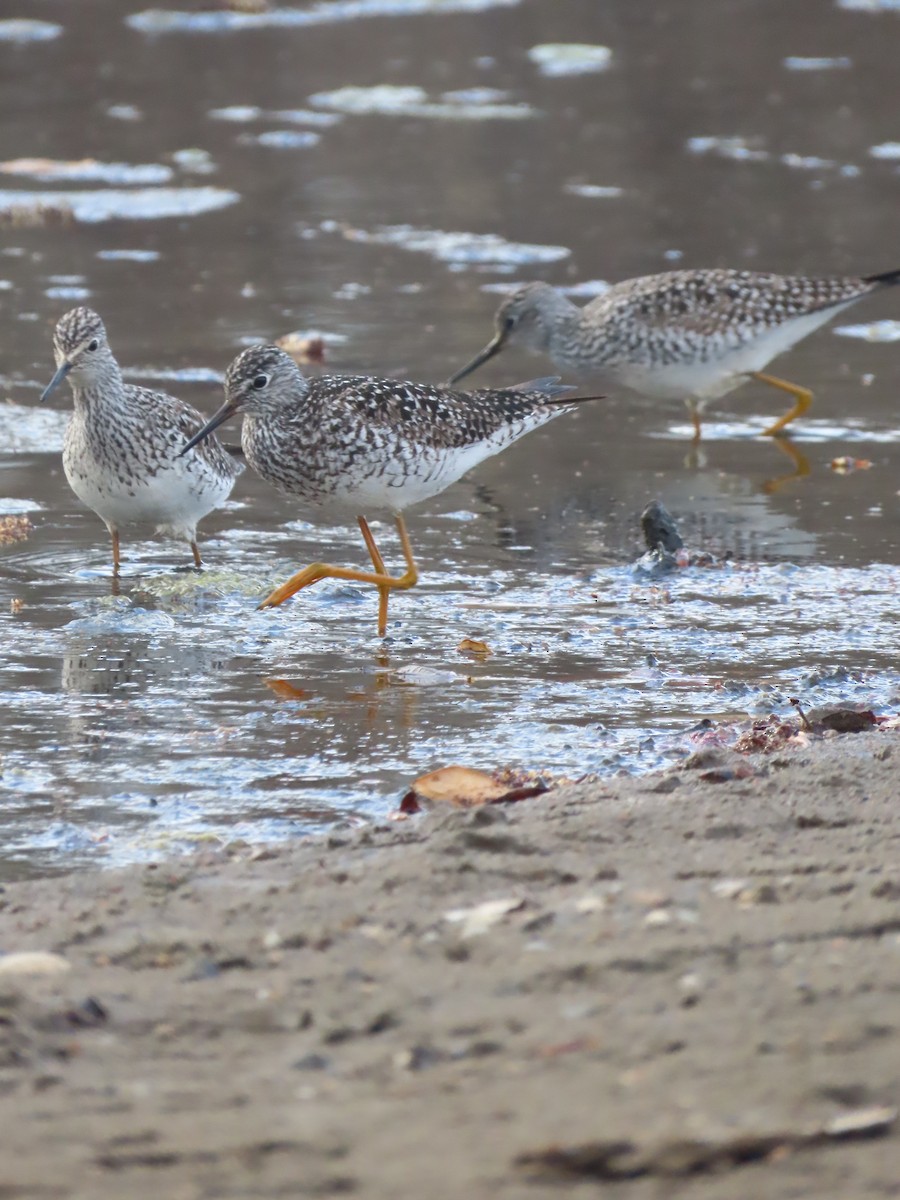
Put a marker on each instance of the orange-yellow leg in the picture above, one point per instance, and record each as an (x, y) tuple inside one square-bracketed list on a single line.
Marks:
[(378, 564), (379, 578), (803, 398), (695, 417), (114, 535), (195, 550)]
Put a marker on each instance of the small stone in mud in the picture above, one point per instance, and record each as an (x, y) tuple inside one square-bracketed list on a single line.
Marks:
[(659, 528), (312, 1062)]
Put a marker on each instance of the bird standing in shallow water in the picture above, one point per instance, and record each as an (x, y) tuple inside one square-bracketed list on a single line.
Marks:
[(122, 453), (690, 335), (353, 445)]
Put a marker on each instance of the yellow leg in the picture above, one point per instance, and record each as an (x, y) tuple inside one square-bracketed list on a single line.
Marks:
[(195, 550), (378, 564), (379, 578), (695, 417), (802, 396), (117, 561)]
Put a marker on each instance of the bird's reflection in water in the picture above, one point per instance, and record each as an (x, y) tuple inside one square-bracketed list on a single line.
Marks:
[(385, 683)]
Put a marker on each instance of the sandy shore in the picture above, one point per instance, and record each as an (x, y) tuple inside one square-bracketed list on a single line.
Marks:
[(705, 972)]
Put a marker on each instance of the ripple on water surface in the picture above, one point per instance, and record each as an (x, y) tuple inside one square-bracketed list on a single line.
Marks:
[(23, 30), (158, 20), (139, 204), (474, 104), (461, 249)]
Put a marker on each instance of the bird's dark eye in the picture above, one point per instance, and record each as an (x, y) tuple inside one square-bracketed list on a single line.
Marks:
[(508, 323), (260, 381), (93, 345)]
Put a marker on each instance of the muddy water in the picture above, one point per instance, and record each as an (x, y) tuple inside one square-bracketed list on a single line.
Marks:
[(303, 169)]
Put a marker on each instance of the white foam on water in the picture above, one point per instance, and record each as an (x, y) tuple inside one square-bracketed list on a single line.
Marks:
[(407, 101), (570, 58), (872, 331)]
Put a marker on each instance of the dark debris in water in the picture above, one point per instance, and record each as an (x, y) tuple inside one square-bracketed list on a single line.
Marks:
[(37, 215)]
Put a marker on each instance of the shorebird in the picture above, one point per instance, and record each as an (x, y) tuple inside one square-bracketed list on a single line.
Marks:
[(122, 452), (354, 445), (691, 335)]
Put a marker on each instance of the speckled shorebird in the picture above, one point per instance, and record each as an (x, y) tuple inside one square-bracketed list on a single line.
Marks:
[(691, 335), (354, 445), (122, 453)]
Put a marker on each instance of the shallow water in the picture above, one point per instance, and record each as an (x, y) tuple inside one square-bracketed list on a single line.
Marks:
[(361, 176)]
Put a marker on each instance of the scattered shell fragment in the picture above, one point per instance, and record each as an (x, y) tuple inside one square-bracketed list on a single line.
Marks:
[(33, 962), (479, 919)]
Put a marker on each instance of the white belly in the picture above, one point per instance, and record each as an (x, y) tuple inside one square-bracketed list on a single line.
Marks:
[(722, 373), (173, 500), (403, 483)]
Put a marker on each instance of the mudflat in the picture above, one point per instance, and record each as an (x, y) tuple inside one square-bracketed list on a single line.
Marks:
[(684, 984)]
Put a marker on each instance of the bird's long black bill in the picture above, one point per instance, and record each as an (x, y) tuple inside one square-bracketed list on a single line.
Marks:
[(493, 347), (57, 379), (219, 418)]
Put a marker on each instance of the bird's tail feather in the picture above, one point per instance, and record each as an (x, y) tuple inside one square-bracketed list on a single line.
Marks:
[(887, 278), (556, 392)]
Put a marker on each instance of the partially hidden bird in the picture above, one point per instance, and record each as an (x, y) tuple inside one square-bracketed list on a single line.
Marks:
[(122, 452), (693, 335), (354, 446)]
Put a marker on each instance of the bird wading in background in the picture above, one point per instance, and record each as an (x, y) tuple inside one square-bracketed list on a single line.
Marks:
[(689, 335)]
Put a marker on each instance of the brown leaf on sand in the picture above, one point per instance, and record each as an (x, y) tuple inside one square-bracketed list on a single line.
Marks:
[(464, 787), (474, 647), (303, 350), (14, 529)]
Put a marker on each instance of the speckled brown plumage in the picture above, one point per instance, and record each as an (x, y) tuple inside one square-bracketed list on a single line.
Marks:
[(353, 445), (360, 444), (693, 335), (122, 448)]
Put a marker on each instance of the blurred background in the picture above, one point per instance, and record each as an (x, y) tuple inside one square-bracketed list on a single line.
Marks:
[(378, 172)]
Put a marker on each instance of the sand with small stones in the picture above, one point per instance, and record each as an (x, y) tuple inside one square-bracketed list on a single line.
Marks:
[(408, 1010)]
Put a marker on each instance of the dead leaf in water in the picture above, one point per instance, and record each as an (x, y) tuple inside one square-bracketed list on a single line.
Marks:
[(303, 350), (14, 529), (474, 647), (286, 691), (844, 464), (464, 787)]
